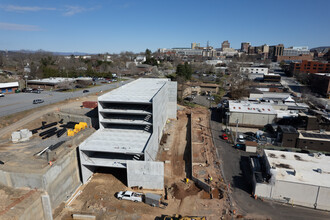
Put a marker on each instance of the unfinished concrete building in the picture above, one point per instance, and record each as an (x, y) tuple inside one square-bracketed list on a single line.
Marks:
[(132, 119)]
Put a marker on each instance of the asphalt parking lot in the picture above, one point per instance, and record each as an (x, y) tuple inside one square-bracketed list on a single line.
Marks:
[(202, 100), (14, 103)]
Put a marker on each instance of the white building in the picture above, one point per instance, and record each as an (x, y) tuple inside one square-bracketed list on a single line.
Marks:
[(295, 51), (251, 114), (294, 178), (132, 119), (254, 73), (254, 70)]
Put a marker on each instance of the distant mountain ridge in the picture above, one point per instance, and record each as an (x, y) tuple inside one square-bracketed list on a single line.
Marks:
[(55, 53), (323, 49)]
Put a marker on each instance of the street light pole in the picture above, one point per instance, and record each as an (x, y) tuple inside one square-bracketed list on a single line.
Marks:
[(236, 130)]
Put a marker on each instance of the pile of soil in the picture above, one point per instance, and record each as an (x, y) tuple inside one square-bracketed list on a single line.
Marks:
[(179, 192)]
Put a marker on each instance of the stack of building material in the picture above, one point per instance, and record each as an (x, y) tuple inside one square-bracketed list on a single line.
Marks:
[(89, 104), (25, 134), (22, 135), (15, 136)]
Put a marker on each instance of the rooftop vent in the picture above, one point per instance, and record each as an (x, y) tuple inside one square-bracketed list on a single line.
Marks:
[(318, 170)]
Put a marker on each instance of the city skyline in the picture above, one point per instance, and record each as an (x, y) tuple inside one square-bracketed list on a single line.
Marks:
[(115, 26)]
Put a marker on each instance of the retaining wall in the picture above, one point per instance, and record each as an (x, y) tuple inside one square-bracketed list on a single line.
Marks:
[(201, 184), (59, 180)]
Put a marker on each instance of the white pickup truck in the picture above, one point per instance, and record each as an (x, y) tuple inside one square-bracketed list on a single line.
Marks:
[(129, 195)]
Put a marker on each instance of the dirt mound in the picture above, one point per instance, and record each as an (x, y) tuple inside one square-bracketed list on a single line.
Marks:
[(179, 191)]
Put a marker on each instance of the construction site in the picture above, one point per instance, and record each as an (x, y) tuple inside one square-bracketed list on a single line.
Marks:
[(70, 160)]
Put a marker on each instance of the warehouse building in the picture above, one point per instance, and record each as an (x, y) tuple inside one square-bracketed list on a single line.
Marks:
[(294, 178), (49, 83), (314, 141), (251, 114), (8, 88), (131, 119)]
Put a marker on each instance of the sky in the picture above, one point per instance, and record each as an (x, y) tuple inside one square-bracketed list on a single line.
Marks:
[(113, 26)]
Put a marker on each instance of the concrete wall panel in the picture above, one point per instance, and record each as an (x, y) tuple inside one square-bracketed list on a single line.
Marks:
[(62, 179), (172, 99), (323, 201), (299, 194), (159, 116), (150, 175), (263, 190)]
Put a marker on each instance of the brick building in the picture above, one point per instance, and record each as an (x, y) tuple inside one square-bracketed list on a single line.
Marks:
[(310, 67), (320, 83), (302, 57)]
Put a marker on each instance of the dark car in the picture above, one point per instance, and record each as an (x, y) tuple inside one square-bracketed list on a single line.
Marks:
[(38, 101), (240, 146), (85, 91), (250, 138), (35, 90)]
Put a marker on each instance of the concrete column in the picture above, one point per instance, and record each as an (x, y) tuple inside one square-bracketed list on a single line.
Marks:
[(46, 207)]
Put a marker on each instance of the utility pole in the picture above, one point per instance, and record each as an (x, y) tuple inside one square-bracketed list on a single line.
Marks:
[(227, 121), (236, 130)]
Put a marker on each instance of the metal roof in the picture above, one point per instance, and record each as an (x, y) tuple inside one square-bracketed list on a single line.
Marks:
[(8, 85), (116, 140), (51, 81), (139, 91), (251, 107), (313, 169)]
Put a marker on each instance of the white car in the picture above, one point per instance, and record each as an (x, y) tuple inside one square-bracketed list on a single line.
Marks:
[(129, 195), (2, 95)]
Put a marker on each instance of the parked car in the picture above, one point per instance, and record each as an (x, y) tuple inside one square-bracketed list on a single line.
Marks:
[(35, 90), (38, 101), (240, 146), (240, 138), (224, 136), (250, 138), (26, 90), (2, 95), (86, 90), (226, 130), (129, 195)]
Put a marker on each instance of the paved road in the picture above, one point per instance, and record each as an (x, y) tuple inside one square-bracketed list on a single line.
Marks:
[(292, 84), (13, 103), (234, 165)]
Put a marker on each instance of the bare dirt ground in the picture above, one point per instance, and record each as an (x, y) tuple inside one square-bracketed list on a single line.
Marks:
[(97, 197)]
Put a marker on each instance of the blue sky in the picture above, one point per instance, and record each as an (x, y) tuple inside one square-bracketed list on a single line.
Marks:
[(98, 26)]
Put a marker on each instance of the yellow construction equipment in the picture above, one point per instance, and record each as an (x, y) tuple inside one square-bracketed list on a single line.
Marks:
[(70, 133)]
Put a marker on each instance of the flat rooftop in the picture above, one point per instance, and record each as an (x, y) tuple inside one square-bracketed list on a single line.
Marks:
[(250, 107), (308, 135), (116, 141), (9, 84), (305, 166), (51, 81), (139, 91)]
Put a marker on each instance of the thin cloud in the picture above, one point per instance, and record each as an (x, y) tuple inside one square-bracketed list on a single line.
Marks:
[(18, 27), (16, 8), (72, 10)]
